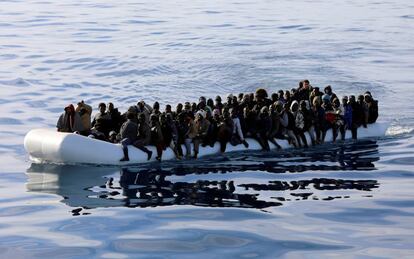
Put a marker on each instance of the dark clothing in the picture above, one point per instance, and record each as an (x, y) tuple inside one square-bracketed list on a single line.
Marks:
[(129, 130), (102, 122), (116, 120), (144, 133), (372, 111)]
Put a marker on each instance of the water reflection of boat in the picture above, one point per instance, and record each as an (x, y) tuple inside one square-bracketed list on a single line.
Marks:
[(55, 147), (172, 184)]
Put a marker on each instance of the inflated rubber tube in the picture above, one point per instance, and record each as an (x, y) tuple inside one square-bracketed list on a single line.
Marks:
[(49, 146)]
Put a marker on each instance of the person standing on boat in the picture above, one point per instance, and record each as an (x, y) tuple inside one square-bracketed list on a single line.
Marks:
[(129, 136), (69, 121)]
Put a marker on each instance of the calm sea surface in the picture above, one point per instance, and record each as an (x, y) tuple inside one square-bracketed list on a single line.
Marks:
[(347, 200)]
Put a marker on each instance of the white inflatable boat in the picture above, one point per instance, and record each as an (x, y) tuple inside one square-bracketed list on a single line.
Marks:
[(49, 146)]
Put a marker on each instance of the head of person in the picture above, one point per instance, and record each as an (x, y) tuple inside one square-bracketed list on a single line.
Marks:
[(111, 107), (218, 99), (169, 117), (156, 106), (187, 106), (280, 93), (287, 95), (229, 98), (246, 98), (275, 97), (179, 108), (328, 90), (154, 118), (141, 105), (202, 99), (216, 114), (306, 84), (303, 105), (294, 106), (293, 91), (286, 107), (210, 103), (102, 107), (367, 98), (260, 94), (241, 95), (193, 107), (70, 109), (142, 118), (345, 100), (316, 90), (300, 85), (163, 118), (352, 99), (235, 100), (130, 115), (168, 108), (360, 98)]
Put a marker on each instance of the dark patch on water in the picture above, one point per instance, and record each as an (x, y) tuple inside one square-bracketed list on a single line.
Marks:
[(182, 183)]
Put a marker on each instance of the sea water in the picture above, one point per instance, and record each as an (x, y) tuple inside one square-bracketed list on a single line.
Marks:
[(346, 199)]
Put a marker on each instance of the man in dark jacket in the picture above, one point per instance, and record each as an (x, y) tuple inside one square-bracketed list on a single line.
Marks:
[(129, 136)]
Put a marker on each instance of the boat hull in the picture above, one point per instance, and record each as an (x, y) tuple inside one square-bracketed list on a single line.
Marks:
[(48, 146)]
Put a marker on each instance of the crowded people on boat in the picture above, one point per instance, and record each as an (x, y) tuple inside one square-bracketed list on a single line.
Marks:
[(289, 115)]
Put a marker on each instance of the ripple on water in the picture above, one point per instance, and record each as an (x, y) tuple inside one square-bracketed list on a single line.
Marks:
[(206, 243), (9, 121)]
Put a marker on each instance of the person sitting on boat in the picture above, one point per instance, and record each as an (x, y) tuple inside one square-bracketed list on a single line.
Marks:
[(116, 119), (287, 121), (328, 91), (225, 130), (129, 136), (69, 120), (347, 114), (308, 120), (169, 132), (276, 128), (102, 120), (319, 120), (157, 138), (178, 110), (202, 126), (339, 122), (372, 106), (264, 125), (218, 104), (215, 121), (237, 134), (144, 108), (299, 124), (85, 112)]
